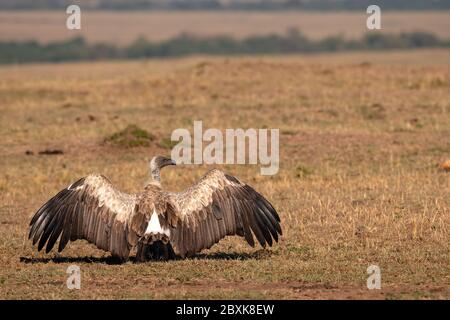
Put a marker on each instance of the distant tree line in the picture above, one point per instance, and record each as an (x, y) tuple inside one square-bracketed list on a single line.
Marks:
[(292, 42), (228, 4)]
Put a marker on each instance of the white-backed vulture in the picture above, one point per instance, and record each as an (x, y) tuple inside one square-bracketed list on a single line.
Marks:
[(160, 224)]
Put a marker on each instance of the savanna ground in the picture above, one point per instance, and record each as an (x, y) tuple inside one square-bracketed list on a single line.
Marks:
[(361, 136), (122, 28)]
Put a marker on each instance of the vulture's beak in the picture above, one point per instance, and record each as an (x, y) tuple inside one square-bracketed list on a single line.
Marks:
[(172, 162)]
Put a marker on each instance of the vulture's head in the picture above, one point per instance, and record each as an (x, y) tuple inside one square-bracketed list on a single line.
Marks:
[(157, 163)]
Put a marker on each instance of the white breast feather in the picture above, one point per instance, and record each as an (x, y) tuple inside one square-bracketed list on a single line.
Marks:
[(155, 227)]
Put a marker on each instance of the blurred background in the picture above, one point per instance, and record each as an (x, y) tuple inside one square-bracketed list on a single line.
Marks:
[(36, 30)]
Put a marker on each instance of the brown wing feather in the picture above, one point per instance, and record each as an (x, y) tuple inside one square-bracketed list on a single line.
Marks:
[(217, 206), (90, 209)]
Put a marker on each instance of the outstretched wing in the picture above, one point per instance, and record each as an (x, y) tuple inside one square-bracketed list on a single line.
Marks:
[(90, 209), (217, 206)]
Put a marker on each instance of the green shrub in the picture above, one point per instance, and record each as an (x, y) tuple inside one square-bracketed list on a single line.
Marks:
[(131, 136), (292, 42)]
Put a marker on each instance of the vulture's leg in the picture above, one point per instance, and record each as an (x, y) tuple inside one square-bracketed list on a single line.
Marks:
[(140, 253)]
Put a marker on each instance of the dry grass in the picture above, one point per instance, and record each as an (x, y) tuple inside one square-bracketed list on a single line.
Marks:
[(125, 27), (359, 182)]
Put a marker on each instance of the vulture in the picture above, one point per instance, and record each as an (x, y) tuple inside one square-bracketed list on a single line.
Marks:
[(158, 224)]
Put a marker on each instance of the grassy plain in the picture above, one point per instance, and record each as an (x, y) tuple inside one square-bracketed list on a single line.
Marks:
[(124, 27), (361, 137)]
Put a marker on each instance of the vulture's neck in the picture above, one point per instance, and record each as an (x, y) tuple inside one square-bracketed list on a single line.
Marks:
[(155, 174)]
